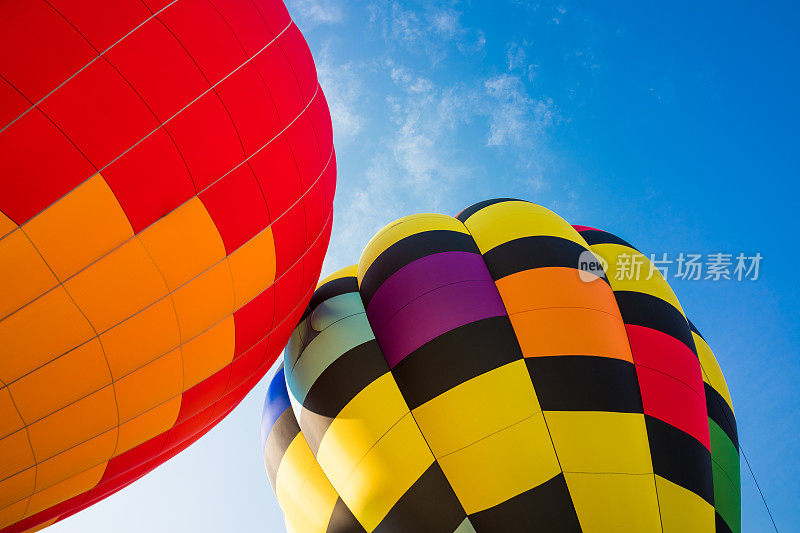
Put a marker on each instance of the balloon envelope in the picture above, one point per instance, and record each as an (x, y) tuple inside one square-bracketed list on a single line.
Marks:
[(166, 184), (500, 371)]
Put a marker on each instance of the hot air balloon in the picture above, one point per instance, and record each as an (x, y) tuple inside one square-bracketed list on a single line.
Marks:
[(166, 184), (493, 373)]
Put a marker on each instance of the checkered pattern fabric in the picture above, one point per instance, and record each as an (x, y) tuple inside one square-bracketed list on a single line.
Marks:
[(470, 375)]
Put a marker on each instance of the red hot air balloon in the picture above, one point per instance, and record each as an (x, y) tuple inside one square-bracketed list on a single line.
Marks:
[(166, 184)]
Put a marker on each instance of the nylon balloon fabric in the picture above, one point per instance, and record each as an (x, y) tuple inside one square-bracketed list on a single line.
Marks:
[(494, 372), (166, 184)]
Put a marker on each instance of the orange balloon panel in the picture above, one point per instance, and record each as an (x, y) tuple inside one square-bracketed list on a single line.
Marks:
[(494, 372), (166, 185)]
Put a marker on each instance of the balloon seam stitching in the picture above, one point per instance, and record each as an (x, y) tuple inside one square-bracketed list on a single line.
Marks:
[(154, 407), (98, 56)]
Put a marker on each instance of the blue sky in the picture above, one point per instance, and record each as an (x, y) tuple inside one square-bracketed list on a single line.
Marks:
[(671, 124)]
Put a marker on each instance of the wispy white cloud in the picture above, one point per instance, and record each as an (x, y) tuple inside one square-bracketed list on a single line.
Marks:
[(432, 30), (428, 118), (314, 12), (412, 166), (418, 139), (518, 60), (558, 14), (472, 41), (343, 87), (515, 118), (405, 25), (423, 148), (446, 21), (517, 57), (407, 81)]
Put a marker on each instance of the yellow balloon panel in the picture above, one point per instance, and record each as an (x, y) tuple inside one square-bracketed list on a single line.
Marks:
[(548, 395)]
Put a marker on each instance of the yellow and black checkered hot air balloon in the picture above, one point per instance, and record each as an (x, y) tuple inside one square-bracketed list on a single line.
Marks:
[(477, 374)]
